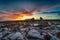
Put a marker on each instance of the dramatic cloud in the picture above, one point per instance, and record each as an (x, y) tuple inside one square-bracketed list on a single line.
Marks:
[(21, 9), (16, 14)]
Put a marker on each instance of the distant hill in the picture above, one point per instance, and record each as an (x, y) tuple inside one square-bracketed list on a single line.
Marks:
[(28, 20)]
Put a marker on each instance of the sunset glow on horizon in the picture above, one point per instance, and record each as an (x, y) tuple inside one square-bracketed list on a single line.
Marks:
[(27, 9)]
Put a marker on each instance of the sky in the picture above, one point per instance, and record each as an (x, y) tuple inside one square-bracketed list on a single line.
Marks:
[(26, 9)]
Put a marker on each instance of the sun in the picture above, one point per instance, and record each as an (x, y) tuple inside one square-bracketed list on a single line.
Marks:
[(23, 17), (20, 18), (27, 17)]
